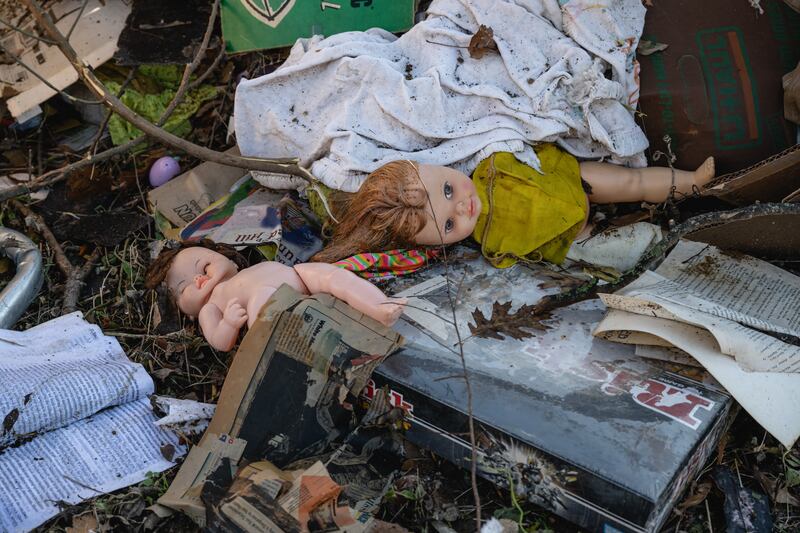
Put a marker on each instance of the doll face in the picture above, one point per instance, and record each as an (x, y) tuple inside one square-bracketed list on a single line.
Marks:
[(193, 275), (453, 208)]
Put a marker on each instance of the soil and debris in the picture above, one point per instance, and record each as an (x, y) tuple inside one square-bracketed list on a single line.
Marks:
[(101, 220)]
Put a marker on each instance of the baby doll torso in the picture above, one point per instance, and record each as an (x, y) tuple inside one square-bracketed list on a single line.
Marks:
[(207, 285), (253, 286), (202, 280)]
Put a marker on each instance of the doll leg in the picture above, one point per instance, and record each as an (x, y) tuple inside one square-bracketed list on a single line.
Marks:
[(613, 183), (358, 293)]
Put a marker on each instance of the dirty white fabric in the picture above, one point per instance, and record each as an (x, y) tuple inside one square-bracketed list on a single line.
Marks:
[(349, 103), (618, 248)]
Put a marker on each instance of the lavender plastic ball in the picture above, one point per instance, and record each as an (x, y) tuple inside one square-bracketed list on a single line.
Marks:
[(163, 170)]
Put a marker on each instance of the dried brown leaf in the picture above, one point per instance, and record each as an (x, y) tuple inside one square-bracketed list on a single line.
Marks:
[(10, 420), (162, 373), (168, 451), (503, 322), (697, 496), (783, 496), (85, 523), (482, 42)]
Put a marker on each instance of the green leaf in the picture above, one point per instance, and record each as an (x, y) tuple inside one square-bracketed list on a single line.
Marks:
[(792, 477)]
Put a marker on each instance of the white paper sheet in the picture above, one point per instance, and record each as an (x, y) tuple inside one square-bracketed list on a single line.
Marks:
[(60, 372), (735, 299), (771, 398), (76, 420), (102, 453)]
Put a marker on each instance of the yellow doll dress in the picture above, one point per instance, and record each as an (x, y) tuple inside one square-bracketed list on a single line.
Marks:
[(527, 215)]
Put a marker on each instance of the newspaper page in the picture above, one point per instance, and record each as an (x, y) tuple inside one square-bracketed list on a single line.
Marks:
[(60, 372), (771, 398), (105, 452), (736, 299), (285, 393)]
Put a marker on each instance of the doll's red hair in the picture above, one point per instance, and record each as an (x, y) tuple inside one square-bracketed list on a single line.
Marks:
[(387, 212)]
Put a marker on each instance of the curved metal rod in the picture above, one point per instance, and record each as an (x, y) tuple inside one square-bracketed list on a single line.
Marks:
[(23, 288)]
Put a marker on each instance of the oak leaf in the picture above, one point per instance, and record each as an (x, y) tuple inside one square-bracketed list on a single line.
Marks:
[(503, 322)]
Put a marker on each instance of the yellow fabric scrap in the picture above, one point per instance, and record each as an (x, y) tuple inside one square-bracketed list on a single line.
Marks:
[(526, 215)]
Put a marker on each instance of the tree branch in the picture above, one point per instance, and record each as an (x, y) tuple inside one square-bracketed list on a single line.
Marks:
[(36, 222), (527, 313), (191, 67), (283, 166), (72, 289), (74, 275), (54, 176)]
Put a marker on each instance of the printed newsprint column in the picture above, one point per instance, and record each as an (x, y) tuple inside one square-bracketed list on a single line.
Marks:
[(88, 458), (731, 297), (76, 420), (60, 372)]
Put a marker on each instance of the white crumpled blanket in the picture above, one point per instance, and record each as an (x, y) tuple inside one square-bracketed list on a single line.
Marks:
[(347, 104)]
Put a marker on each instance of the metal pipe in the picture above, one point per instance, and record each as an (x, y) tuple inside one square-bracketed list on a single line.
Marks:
[(23, 288)]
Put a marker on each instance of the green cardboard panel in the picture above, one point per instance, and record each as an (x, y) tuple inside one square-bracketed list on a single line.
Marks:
[(263, 24)]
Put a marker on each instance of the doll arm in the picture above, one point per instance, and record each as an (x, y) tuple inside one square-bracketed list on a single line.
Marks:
[(358, 293), (221, 329), (613, 183)]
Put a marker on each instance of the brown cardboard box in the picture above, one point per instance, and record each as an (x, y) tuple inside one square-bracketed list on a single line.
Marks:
[(774, 179), (717, 89), (285, 394), (184, 197)]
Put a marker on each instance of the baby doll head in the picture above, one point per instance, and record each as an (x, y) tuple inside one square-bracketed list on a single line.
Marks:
[(403, 204), (192, 270)]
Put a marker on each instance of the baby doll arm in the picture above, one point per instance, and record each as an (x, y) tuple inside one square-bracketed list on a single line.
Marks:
[(221, 329), (613, 183), (358, 293)]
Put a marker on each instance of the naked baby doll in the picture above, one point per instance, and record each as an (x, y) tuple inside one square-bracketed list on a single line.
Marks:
[(207, 284), (511, 209)]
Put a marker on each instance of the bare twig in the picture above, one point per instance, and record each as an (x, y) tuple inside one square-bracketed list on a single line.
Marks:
[(24, 65), (470, 418), (283, 166), (191, 67), (77, 19), (74, 275), (72, 289), (473, 470), (54, 176), (650, 258), (200, 79), (37, 222), (26, 33)]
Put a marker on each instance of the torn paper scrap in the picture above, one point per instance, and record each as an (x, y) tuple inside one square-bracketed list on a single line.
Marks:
[(184, 416), (264, 498), (737, 299), (771, 398)]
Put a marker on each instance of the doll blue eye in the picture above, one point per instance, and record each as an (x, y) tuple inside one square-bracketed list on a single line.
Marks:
[(448, 190), (448, 226)]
